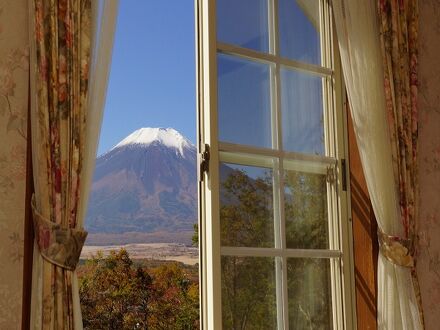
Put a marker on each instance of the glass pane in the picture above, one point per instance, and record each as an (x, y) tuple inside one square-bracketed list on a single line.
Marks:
[(243, 23), (309, 292), (244, 101), (302, 112), (299, 30), (246, 206), (305, 210), (248, 293)]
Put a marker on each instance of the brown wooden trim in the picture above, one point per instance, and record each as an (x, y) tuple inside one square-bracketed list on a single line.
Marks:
[(28, 228), (364, 238)]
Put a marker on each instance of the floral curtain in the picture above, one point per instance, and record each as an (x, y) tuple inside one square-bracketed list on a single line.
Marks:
[(377, 42), (61, 45), (398, 23)]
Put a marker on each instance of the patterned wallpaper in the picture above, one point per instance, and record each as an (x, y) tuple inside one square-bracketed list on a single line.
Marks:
[(13, 117), (429, 160)]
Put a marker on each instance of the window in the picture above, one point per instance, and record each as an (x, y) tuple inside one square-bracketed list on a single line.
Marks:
[(274, 234)]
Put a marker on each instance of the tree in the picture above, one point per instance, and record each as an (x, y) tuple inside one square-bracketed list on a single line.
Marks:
[(195, 236), (248, 284), (306, 210), (176, 303), (307, 228), (116, 294), (107, 292), (246, 212)]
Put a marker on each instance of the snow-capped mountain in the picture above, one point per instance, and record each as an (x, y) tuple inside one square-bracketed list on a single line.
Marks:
[(168, 137), (145, 185)]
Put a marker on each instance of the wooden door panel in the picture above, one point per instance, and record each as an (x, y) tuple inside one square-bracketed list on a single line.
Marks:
[(364, 239)]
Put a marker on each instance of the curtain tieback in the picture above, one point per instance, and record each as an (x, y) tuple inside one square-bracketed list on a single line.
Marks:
[(60, 246), (395, 249)]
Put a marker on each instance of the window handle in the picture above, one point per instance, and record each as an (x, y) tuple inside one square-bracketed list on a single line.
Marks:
[(203, 160)]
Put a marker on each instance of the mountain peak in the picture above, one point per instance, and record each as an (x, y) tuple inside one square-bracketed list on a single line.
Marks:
[(169, 137)]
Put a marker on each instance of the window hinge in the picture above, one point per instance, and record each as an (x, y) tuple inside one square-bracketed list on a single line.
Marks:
[(344, 174), (331, 174), (203, 161)]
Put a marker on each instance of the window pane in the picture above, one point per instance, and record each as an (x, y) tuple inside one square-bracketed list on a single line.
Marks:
[(248, 293), (246, 206), (305, 210), (244, 101), (309, 291), (299, 30), (302, 112), (243, 23)]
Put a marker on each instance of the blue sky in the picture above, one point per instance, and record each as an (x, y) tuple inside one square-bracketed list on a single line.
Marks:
[(152, 78)]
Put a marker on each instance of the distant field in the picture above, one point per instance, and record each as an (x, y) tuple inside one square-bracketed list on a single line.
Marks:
[(153, 251), (107, 239)]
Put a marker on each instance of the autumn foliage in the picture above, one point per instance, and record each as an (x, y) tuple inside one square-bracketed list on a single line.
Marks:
[(117, 294)]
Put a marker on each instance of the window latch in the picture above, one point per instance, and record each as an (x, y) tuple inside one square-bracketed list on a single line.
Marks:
[(203, 161)]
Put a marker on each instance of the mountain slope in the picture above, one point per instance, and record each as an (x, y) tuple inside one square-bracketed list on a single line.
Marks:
[(147, 183)]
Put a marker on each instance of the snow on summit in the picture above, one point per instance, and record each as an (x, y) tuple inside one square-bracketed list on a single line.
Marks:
[(169, 137)]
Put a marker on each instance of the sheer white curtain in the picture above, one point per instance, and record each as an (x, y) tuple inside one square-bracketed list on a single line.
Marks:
[(358, 37), (103, 31)]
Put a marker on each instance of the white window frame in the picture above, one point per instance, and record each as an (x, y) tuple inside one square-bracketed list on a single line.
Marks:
[(340, 230)]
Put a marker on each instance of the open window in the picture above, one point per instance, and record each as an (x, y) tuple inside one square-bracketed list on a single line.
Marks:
[(274, 235)]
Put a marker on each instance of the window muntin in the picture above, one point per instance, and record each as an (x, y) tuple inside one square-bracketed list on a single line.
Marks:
[(300, 157)]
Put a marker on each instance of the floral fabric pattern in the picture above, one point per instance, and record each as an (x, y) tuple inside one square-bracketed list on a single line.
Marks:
[(14, 81), (399, 41), (62, 37), (59, 246), (399, 24)]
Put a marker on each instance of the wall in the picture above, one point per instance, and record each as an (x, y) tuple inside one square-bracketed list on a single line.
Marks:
[(429, 160), (13, 118)]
